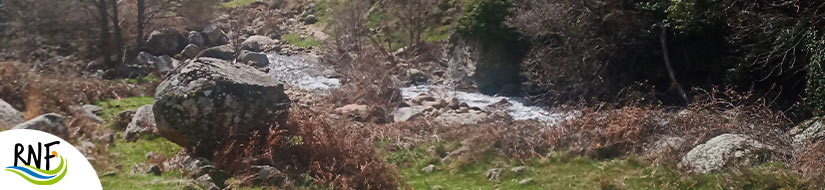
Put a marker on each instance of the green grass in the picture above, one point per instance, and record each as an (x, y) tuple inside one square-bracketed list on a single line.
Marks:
[(564, 171), (298, 41), (438, 33), (113, 107), (236, 3), (123, 155)]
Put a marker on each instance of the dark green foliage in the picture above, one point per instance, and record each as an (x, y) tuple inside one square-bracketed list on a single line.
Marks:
[(815, 90)]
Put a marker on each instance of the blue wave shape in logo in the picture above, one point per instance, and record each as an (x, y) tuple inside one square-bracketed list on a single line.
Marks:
[(31, 173)]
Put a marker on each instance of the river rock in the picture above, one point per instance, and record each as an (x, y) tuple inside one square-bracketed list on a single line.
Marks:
[(253, 58), (807, 133), (211, 100), (455, 118), (9, 116), (143, 122), (418, 77), (50, 123), (257, 43), (215, 36), (191, 51), (224, 52), (165, 41), (407, 113), (363, 113), (196, 38), (722, 150), (421, 98)]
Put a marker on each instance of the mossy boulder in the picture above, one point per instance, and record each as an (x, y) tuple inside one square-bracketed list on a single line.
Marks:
[(209, 101)]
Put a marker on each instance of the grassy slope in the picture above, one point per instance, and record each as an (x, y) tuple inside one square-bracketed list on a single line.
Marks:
[(563, 171), (298, 41), (123, 155)]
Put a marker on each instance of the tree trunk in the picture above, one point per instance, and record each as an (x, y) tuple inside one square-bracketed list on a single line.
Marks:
[(140, 22), (104, 33), (118, 34), (663, 39)]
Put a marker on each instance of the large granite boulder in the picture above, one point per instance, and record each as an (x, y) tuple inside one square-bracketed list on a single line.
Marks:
[(725, 150), (50, 123), (807, 133), (165, 41), (210, 100), (9, 116)]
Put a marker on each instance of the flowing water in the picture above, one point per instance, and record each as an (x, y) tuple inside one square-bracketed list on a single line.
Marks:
[(307, 73)]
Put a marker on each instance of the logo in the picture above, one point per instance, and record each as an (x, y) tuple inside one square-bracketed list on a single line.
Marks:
[(32, 159), (37, 174)]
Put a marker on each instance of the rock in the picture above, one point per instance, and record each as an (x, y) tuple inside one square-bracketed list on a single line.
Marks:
[(455, 118), (437, 187), (153, 170), (9, 116), (215, 36), (664, 143), (165, 41), (123, 119), (191, 51), (723, 150), (97, 110), (162, 64), (454, 104), (196, 107), (421, 98), (428, 169), (50, 123), (435, 104), (417, 77), (494, 174), (519, 169), (406, 113), (807, 133), (268, 176), (310, 19), (196, 38), (363, 113), (200, 167), (143, 122), (525, 181), (258, 43), (253, 58), (88, 114), (207, 182), (224, 52), (108, 138)]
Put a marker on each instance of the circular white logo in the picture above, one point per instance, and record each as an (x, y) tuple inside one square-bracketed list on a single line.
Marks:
[(31, 159)]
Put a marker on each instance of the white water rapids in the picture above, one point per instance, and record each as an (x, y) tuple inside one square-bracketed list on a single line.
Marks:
[(307, 73)]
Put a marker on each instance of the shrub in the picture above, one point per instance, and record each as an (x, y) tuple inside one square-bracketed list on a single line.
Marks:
[(32, 24)]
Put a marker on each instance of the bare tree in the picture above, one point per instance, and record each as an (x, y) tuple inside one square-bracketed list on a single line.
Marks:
[(104, 33), (413, 17), (141, 9), (118, 35)]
